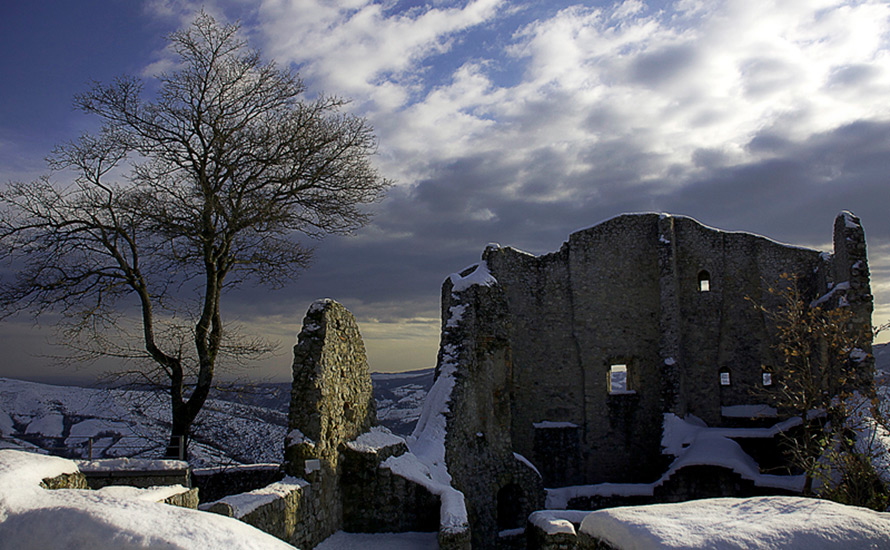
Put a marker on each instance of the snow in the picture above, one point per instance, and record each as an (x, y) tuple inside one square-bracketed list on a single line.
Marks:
[(748, 411), (728, 523), (374, 440), (296, 437), (670, 361), (553, 522), (694, 444), (527, 462), (132, 465), (456, 315), (50, 425), (245, 503), (850, 220), (425, 464), (6, 424), (35, 518), (380, 541), (827, 296), (149, 494), (320, 304), (453, 512), (134, 423), (479, 276), (428, 439)]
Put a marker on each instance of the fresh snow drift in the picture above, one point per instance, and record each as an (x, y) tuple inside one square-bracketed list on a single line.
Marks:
[(727, 524), (72, 519)]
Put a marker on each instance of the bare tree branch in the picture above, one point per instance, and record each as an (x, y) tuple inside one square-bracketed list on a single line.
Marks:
[(206, 186)]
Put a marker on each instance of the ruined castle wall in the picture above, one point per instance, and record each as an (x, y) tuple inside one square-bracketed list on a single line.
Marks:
[(850, 265), (629, 291), (722, 330), (538, 296), (500, 489), (616, 305)]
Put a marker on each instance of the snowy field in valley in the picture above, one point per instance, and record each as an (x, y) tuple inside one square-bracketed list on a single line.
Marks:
[(239, 425)]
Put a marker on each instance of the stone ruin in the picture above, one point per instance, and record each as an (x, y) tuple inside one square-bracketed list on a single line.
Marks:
[(577, 362), (341, 471), (568, 371)]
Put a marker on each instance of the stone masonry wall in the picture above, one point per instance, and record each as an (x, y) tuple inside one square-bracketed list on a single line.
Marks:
[(332, 403), (668, 297), (500, 489), (375, 500)]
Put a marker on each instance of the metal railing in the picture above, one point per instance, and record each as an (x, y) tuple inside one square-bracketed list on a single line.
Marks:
[(92, 447)]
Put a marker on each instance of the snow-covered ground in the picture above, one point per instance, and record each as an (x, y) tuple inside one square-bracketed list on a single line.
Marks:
[(33, 518), (67, 420), (239, 425), (789, 523)]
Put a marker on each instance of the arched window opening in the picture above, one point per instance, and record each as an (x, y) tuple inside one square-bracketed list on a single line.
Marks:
[(724, 377), (704, 281), (511, 502)]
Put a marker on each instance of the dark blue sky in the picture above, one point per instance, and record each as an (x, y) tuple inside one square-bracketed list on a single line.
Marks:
[(514, 122)]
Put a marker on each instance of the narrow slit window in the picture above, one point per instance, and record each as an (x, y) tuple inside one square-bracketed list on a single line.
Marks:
[(724, 377), (767, 378), (704, 281), (618, 379)]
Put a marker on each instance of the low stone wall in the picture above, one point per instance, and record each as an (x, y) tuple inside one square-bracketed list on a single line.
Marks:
[(286, 510), (455, 541), (215, 484), (539, 540), (586, 542), (375, 500), (65, 481), (185, 499)]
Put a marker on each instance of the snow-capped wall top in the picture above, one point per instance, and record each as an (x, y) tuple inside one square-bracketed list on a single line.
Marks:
[(850, 219), (320, 304), (478, 276), (375, 439)]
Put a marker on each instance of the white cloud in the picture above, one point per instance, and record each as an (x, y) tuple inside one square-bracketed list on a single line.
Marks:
[(707, 76), (358, 48)]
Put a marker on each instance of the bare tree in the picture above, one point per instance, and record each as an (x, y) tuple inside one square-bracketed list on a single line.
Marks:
[(179, 198), (821, 376)]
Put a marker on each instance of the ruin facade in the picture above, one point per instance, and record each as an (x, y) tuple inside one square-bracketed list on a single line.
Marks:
[(569, 362)]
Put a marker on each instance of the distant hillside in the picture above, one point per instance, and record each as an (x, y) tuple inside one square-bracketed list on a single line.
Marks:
[(240, 423)]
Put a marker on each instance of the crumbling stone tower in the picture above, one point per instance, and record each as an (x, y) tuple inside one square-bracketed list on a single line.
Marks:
[(332, 403)]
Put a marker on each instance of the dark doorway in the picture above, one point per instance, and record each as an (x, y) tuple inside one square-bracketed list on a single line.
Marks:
[(511, 507)]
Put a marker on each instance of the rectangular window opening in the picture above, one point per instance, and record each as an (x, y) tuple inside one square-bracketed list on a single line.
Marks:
[(704, 285), (724, 378), (767, 379), (618, 379)]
